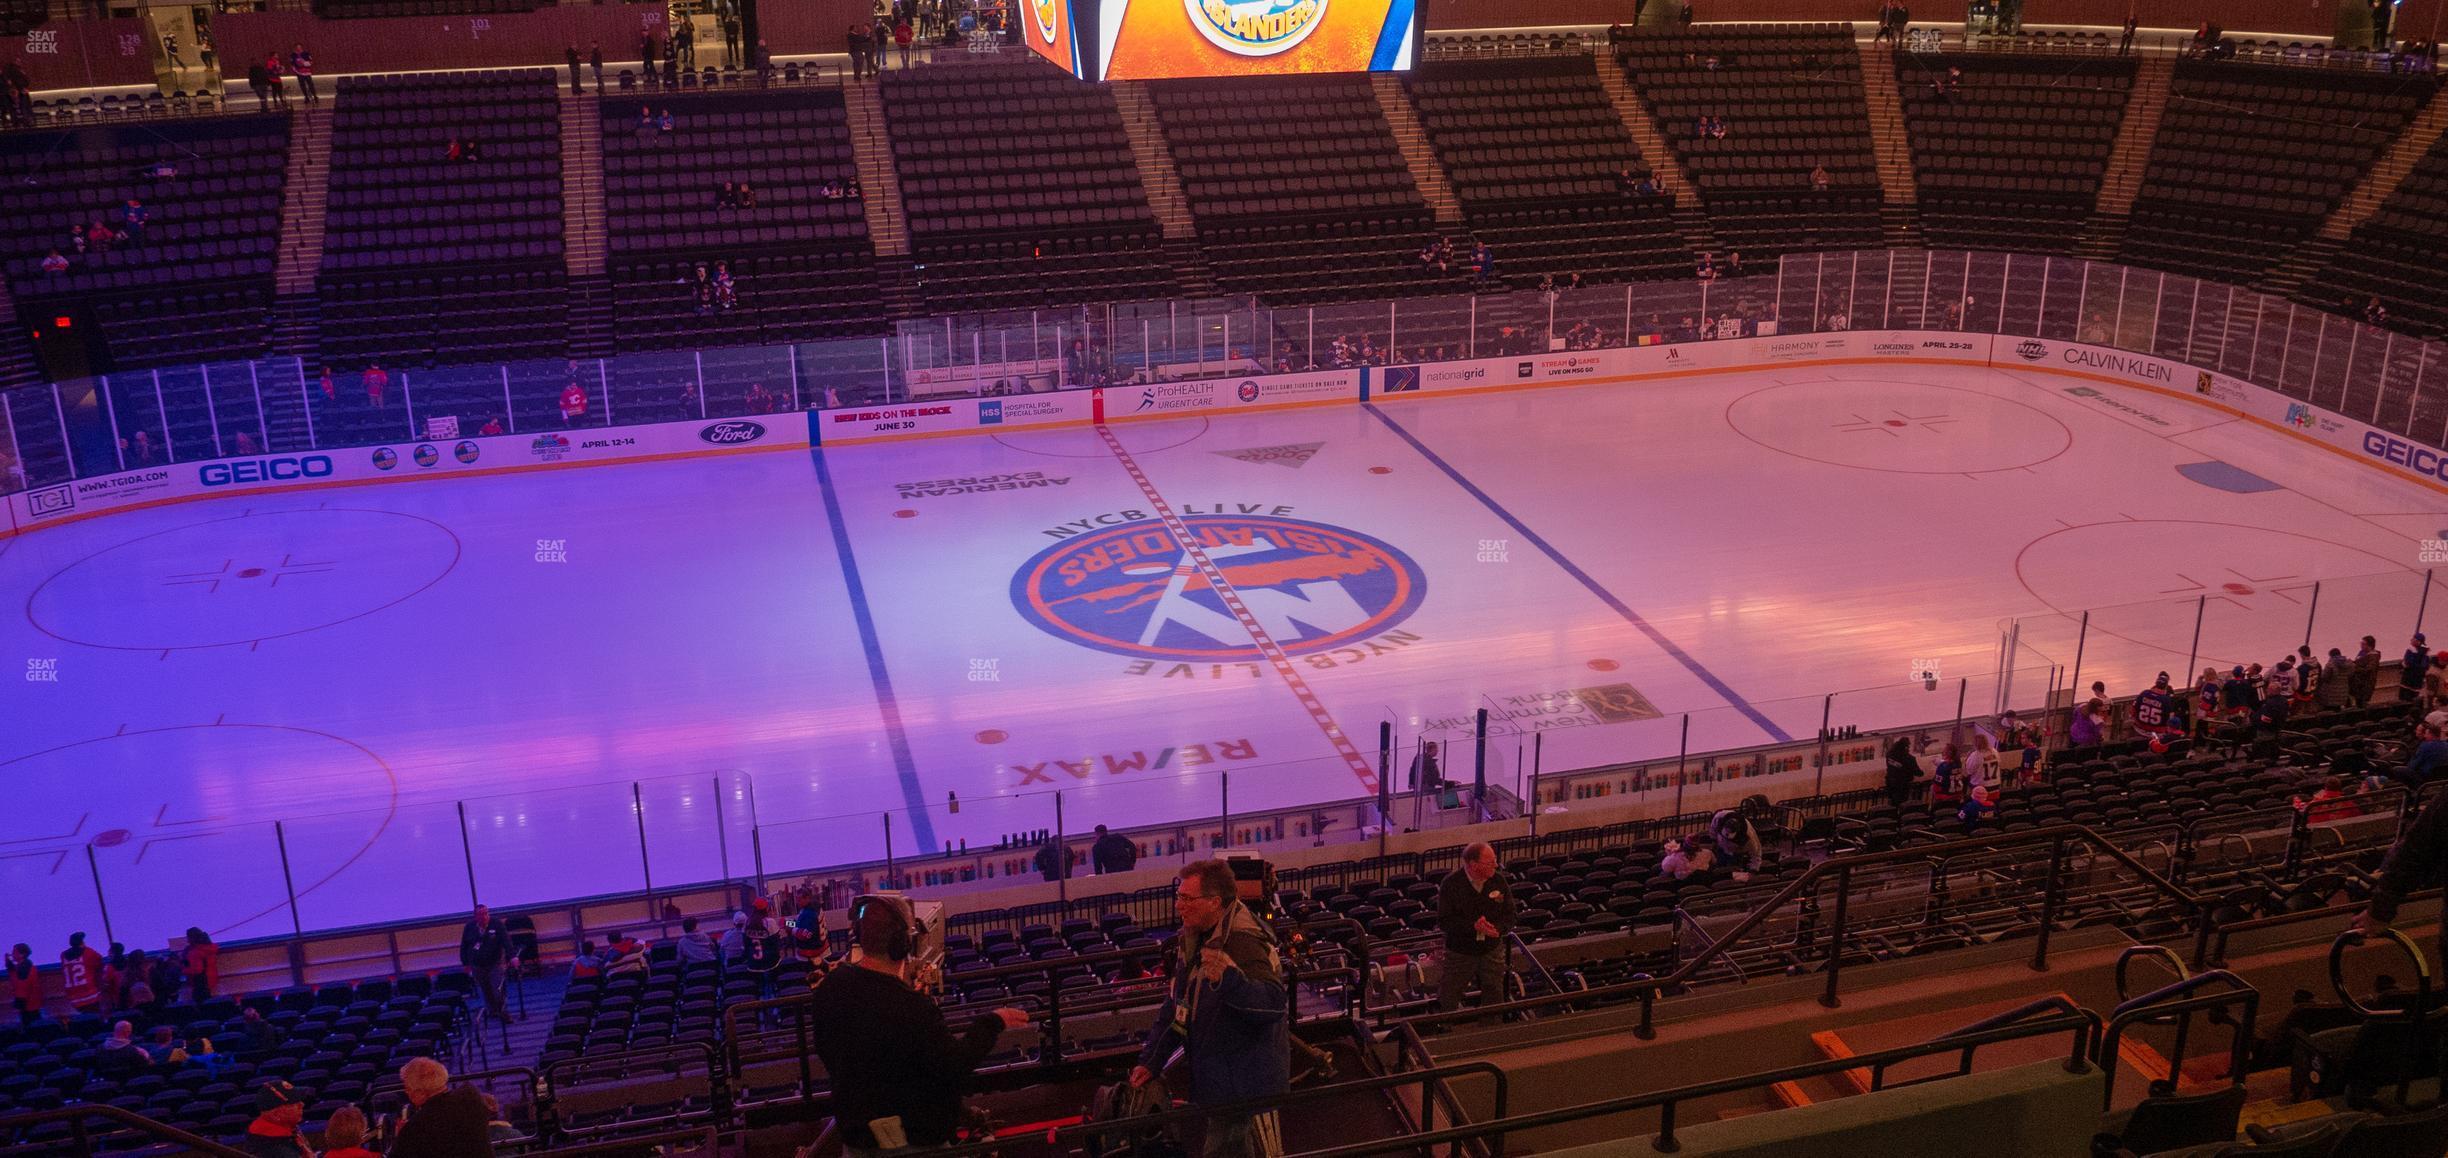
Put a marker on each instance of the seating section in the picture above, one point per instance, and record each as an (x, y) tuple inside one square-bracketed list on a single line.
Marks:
[(1790, 96), (1538, 155), (197, 284), (1021, 190), (2396, 254), (335, 1043), (2250, 158), (2012, 157), (804, 264), (430, 260), (1306, 208)]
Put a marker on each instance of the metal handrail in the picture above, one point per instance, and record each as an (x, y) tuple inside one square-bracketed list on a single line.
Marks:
[(707, 1139), (2127, 958), (78, 1115), (2084, 1027), (1426, 1079), (1842, 868), (2178, 1001), (2219, 938)]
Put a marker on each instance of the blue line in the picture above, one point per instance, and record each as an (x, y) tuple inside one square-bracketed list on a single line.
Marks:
[(911, 794), (1604, 596)]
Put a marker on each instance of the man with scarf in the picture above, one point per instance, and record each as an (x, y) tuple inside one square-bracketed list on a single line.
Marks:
[(1227, 1013)]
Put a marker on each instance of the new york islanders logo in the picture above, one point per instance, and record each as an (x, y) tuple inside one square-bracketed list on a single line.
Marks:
[(1256, 27), (1044, 11), (1132, 590)]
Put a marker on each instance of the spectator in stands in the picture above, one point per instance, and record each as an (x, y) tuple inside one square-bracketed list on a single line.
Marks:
[(2307, 681), (1689, 855), (2089, 725), (2125, 41), (376, 382), (903, 36), (646, 55), (1982, 765), (301, 66), (2335, 691), (273, 70), (1819, 179), (259, 81), (81, 975), (2363, 676), (727, 196), (24, 984), (136, 984), (695, 947), (54, 263), (167, 1050), (663, 122), (2374, 314), (1979, 803), (2416, 661), (255, 1035), (2270, 720), (1706, 270), (1054, 859), (497, 1124), (99, 237), (1734, 263), (484, 947), (119, 1054), (442, 1121), (1903, 770), (1886, 22), (344, 1134), (761, 949), (2330, 803), (595, 64), (133, 218), (898, 1073), (747, 195), (573, 400), (588, 964), (2428, 760), (860, 41), (1225, 1011), (1112, 852), (1483, 263), (279, 1110), (1475, 909), (492, 426), (1427, 771), (1948, 85)]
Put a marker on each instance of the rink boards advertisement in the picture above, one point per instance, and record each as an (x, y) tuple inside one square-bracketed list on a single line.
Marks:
[(854, 424), (347, 466), (2234, 395), (1567, 367)]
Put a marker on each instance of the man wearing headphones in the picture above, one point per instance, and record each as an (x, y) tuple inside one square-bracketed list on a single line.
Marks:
[(897, 1072), (1226, 1013)]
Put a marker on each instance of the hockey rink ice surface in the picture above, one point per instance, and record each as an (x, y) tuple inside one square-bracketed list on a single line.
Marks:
[(798, 642)]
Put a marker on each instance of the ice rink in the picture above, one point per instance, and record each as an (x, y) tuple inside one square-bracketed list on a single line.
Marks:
[(520, 677)]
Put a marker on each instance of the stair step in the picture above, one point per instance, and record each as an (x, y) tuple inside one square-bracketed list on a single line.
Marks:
[(879, 182), (583, 227), (1395, 101), (305, 184)]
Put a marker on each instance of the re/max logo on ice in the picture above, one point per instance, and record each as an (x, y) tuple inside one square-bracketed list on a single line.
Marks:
[(2421, 460), (284, 469)]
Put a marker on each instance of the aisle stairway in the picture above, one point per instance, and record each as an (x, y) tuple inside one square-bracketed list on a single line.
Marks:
[(1156, 171), (303, 194), (878, 180), (1418, 155), (2123, 179), (582, 184), (1691, 219)]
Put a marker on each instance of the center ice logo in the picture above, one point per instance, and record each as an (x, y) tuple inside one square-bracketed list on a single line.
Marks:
[(1255, 27), (1132, 590)]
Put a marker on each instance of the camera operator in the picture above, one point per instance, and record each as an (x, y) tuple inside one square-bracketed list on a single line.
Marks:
[(898, 1073)]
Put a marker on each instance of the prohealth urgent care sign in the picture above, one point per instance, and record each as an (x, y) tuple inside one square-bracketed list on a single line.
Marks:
[(350, 466), (853, 424)]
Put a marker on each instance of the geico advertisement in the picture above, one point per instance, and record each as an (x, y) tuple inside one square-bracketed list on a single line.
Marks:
[(1047, 26), (1153, 39)]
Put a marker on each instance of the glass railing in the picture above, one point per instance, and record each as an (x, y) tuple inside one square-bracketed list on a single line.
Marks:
[(126, 421)]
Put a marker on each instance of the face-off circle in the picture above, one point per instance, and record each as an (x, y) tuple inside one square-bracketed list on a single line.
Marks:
[(1898, 427), (2253, 585), (243, 579), (158, 837)]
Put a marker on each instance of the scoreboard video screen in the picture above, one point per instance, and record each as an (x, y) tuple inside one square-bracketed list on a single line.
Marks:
[(1156, 39)]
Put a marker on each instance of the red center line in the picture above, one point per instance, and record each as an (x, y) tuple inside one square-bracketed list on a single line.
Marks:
[(1360, 767)]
